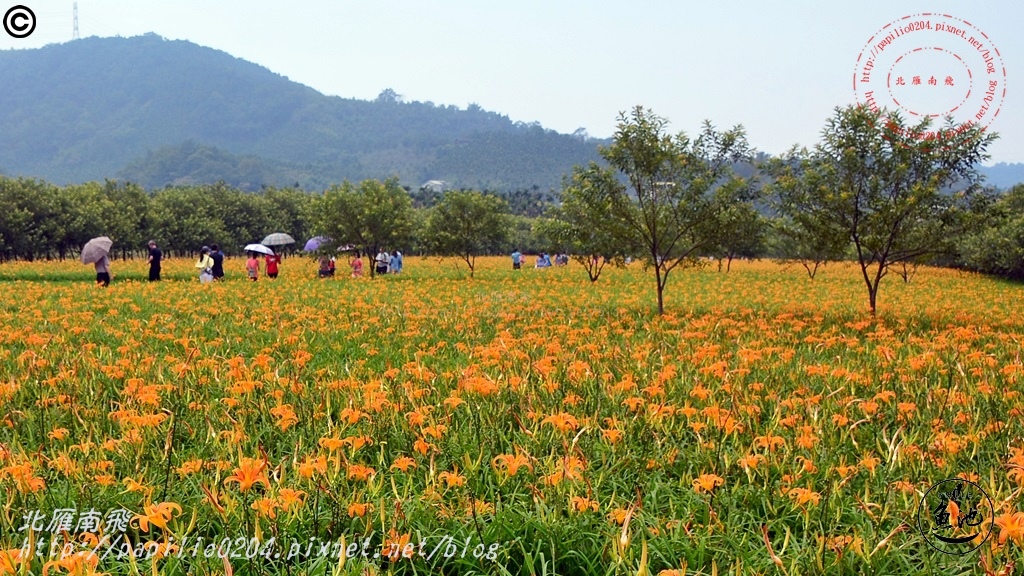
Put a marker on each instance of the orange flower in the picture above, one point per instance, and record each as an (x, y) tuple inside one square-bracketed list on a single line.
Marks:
[(133, 485), (10, 560), (285, 416), (395, 546), (249, 473), (266, 507), (511, 463), (403, 463), (803, 496), (618, 515), (706, 483), (581, 504), (357, 442), (750, 461), (422, 446), (770, 442), (1011, 526), (309, 467), (563, 421), (359, 509), (190, 467), (157, 515), (332, 444), (79, 564), (359, 472), (611, 435), (290, 498), (452, 479)]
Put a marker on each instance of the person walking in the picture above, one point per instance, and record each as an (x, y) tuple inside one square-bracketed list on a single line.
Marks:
[(103, 271), (382, 262), (205, 266), (218, 262), (517, 260), (357, 265), (325, 267), (272, 262), (331, 265), (395, 263), (155, 256), (252, 267)]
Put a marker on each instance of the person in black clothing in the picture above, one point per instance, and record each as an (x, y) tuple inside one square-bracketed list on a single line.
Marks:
[(218, 262), (155, 255)]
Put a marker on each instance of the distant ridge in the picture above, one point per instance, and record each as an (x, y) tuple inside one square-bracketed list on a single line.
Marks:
[(160, 112)]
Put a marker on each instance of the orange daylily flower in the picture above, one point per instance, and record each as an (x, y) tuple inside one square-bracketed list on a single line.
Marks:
[(563, 421), (1011, 527), (706, 483), (157, 515), (250, 472), (359, 472), (511, 463)]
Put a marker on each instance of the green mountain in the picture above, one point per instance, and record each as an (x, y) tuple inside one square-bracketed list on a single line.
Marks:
[(161, 112)]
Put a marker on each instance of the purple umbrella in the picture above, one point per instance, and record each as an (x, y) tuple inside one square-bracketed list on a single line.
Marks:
[(314, 243)]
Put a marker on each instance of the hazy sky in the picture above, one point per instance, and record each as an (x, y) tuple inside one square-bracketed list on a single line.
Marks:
[(779, 68)]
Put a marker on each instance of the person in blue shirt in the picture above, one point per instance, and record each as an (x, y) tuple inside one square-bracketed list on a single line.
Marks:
[(395, 263), (517, 260)]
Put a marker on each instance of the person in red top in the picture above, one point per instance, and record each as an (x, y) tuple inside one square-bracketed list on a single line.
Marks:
[(272, 261)]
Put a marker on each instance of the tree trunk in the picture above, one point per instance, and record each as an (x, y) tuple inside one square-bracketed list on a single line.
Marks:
[(728, 264), (661, 290)]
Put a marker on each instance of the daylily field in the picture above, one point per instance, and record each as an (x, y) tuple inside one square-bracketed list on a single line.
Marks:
[(520, 422)]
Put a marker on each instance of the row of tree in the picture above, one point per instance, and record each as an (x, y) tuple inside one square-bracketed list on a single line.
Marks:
[(885, 195), (874, 191)]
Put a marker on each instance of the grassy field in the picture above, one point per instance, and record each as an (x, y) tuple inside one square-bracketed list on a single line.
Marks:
[(520, 422)]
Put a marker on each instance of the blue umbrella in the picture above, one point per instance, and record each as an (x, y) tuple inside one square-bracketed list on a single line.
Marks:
[(314, 243)]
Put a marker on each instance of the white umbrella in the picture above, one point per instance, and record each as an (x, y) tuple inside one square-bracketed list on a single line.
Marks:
[(259, 248)]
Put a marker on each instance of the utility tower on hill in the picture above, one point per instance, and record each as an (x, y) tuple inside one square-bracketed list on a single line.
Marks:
[(74, 35)]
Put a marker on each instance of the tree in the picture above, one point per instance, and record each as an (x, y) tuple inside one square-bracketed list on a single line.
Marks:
[(896, 193), (467, 224), (800, 236), (996, 246), (185, 218), (370, 216), (128, 223), (676, 190), (806, 243), (581, 225), (741, 233)]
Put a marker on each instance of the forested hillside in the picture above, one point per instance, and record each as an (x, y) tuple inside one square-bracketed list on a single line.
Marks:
[(163, 112)]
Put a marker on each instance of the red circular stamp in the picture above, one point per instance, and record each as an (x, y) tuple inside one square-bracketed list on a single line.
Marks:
[(932, 65)]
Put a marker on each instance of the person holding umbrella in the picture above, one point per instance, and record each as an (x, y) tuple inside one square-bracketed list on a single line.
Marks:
[(155, 255), (103, 271), (95, 252), (252, 267), (272, 261)]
